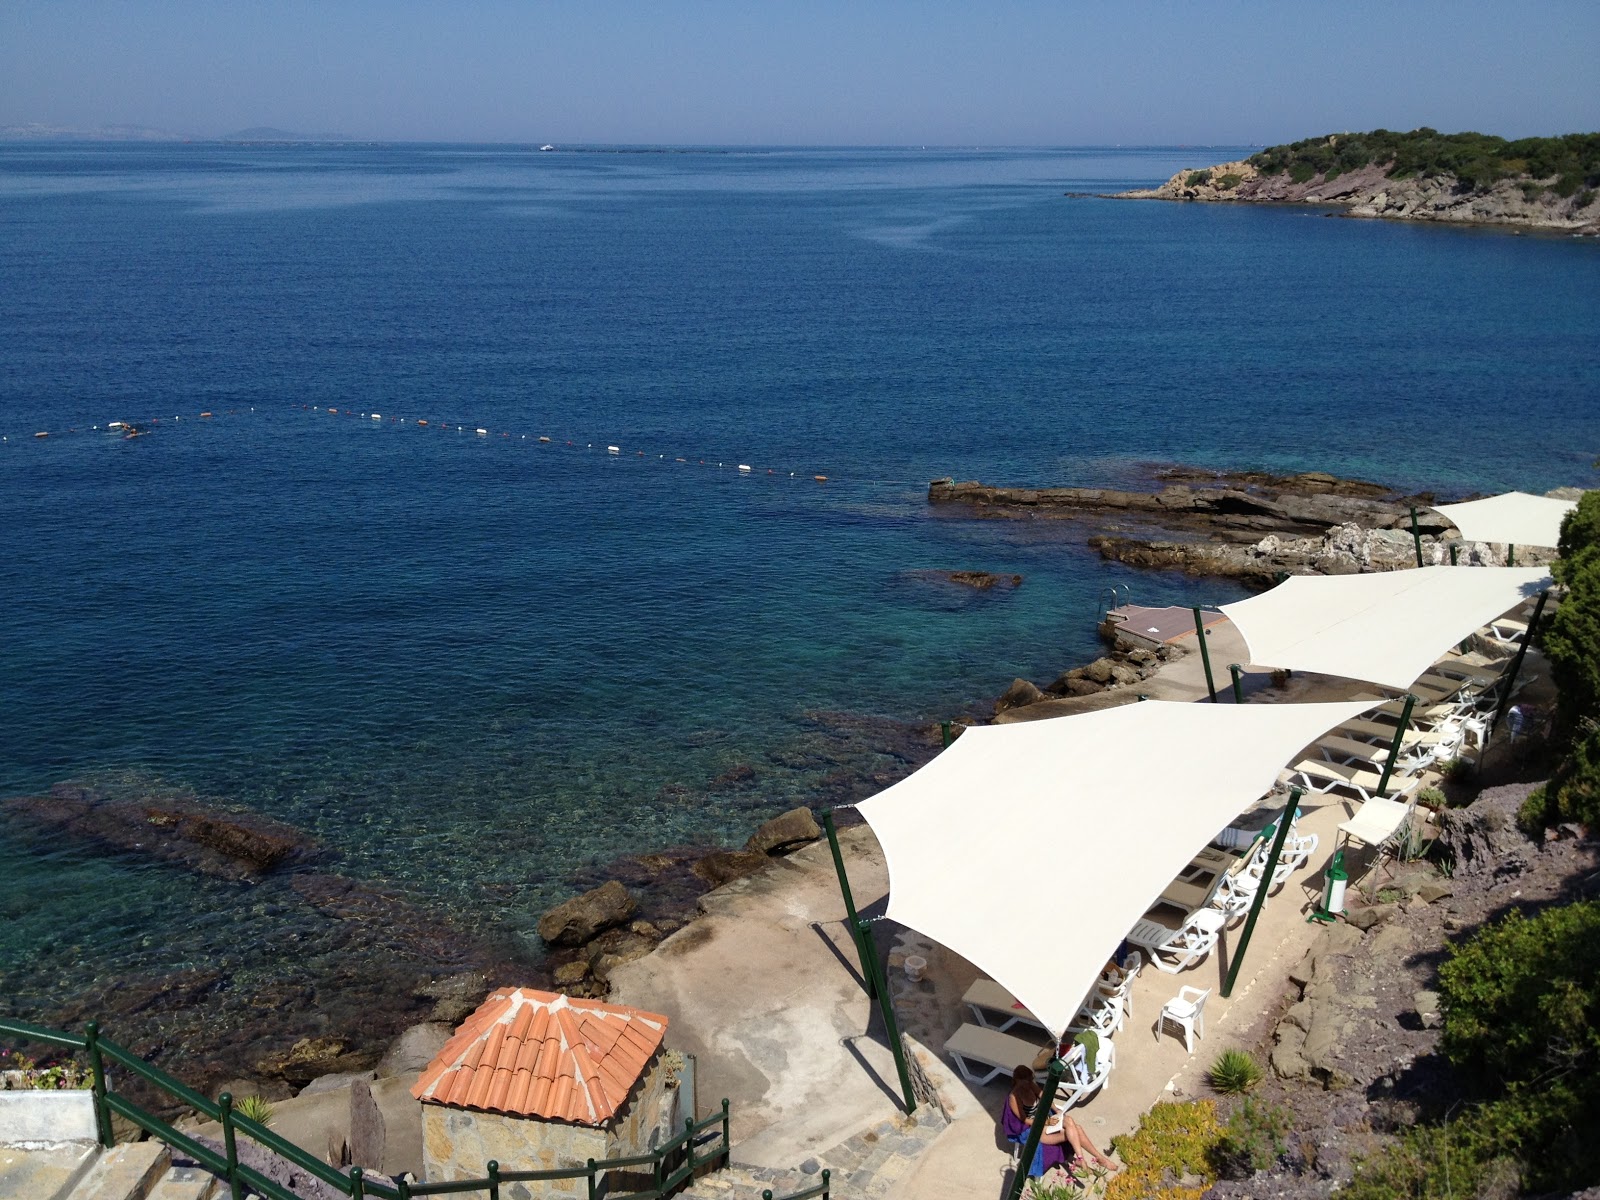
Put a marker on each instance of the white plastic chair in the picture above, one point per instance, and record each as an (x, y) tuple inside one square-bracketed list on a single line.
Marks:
[(1079, 1083), (1188, 1010)]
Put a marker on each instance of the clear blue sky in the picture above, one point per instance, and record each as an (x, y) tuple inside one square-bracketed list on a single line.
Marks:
[(824, 72)]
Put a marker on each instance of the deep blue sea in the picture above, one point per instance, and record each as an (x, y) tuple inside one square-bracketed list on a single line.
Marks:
[(469, 663)]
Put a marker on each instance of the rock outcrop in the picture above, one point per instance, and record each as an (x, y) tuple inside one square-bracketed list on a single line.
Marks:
[(1370, 192), (579, 919)]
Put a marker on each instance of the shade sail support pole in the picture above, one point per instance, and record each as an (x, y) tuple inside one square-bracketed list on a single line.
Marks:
[(1261, 891), (1041, 1114), (1237, 672), (891, 1026), (1416, 535), (1205, 653), (1516, 668), (1394, 746), (851, 919)]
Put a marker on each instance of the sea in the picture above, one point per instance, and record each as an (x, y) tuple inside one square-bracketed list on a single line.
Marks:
[(554, 507)]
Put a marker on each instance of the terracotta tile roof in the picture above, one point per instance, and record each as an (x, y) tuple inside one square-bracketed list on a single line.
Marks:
[(537, 1054)]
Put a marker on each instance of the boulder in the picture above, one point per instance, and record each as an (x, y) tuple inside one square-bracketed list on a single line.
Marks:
[(337, 1081), (1121, 673), (414, 1049), (367, 1133), (312, 1057), (625, 950), (1018, 695), (579, 919), (724, 866), (570, 973), (1366, 918), (455, 997), (785, 832), (1429, 893), (1428, 1009), (1083, 687), (1140, 657), (1483, 838), (1099, 671)]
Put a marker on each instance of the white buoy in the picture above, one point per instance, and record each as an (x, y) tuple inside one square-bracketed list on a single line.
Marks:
[(745, 467), (482, 432), (613, 450), (377, 416)]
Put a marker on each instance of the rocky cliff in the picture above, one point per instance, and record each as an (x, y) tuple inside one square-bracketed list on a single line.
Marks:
[(1369, 191)]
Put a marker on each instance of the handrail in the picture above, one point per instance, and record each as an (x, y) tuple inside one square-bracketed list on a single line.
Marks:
[(356, 1184)]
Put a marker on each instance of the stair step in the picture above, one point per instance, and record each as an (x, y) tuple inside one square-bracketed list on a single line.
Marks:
[(46, 1173), (125, 1172), (185, 1183)]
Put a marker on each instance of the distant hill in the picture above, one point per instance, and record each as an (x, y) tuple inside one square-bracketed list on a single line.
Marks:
[(267, 133), (1549, 183), (35, 132)]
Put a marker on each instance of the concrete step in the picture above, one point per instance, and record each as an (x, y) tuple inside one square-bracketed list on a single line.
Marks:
[(186, 1183), (45, 1173), (124, 1172)]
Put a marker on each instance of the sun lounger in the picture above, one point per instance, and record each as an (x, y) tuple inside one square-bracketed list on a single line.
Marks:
[(982, 1055), (1173, 950), (1508, 631), (1318, 775), (995, 1008)]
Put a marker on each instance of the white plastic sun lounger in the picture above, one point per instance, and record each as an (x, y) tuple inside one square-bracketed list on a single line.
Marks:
[(1173, 950), (982, 1055), (993, 1007), (1376, 821), (1320, 776)]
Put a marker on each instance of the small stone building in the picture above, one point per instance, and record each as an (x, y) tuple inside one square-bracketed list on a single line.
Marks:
[(538, 1081)]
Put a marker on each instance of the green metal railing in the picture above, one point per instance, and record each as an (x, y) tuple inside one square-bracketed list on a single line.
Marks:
[(671, 1165)]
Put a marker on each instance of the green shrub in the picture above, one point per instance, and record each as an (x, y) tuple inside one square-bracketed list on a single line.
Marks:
[(1235, 1071), (1535, 813), (1198, 177), (1230, 181), (1571, 639), (1439, 1162), (1573, 793), (1522, 997), (1252, 1140), (1585, 198), (1331, 174), (1432, 797), (1301, 173)]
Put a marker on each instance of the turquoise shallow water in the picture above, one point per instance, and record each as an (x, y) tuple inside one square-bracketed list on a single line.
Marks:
[(469, 665)]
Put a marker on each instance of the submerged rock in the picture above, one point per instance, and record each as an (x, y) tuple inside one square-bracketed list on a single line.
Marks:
[(784, 832), (170, 827)]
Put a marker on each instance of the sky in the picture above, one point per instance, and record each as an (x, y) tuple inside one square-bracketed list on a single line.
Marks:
[(824, 72)]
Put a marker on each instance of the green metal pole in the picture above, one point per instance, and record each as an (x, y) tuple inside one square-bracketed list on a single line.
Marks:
[(358, 1187), (493, 1168), (97, 1068), (688, 1142), (727, 1142), (826, 1174), (594, 1188), (1237, 672), (1416, 535), (1394, 746), (1455, 548), (886, 1007), (1511, 555), (1041, 1114), (230, 1145), (1516, 665), (1261, 891), (852, 921), (1205, 653), (944, 733)]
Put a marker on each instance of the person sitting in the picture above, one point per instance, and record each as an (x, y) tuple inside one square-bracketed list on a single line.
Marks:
[(1062, 1145)]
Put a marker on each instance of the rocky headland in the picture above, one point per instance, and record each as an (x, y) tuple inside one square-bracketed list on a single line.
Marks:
[(1499, 188)]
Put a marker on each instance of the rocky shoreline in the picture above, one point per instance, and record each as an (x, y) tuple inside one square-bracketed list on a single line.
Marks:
[(1249, 526), (1369, 191)]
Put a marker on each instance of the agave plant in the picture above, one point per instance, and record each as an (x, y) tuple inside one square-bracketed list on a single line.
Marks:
[(1235, 1071), (254, 1108)]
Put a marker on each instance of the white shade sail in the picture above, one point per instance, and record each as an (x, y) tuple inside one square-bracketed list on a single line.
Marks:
[(1032, 849), (1387, 627), (1515, 518)]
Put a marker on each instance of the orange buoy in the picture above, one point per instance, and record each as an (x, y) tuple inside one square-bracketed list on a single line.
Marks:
[(820, 478), (333, 410), (205, 414), (41, 435), (421, 422), (544, 439)]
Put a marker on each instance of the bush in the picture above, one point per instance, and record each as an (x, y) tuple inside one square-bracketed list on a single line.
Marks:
[(1432, 797), (1252, 1140), (1535, 813), (1198, 178), (1522, 997), (1573, 793), (1173, 1140), (1301, 173), (1572, 160), (1235, 1072), (1585, 198), (1572, 637), (1230, 181)]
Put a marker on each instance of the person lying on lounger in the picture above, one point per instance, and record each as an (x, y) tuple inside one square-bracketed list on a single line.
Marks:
[(1063, 1143)]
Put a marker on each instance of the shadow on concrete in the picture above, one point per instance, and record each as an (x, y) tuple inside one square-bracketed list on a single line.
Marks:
[(890, 1090)]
